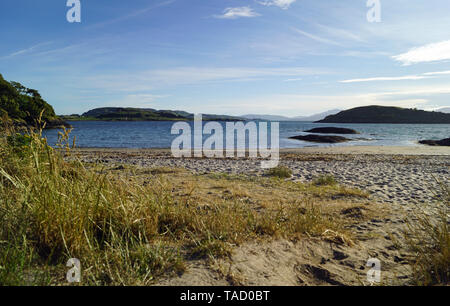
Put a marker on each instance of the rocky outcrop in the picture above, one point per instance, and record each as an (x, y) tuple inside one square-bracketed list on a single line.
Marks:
[(442, 142), (321, 139), (332, 130)]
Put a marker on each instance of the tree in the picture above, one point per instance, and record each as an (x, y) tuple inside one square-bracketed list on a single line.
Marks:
[(20, 102)]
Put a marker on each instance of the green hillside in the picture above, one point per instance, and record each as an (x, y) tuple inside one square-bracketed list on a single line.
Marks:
[(384, 114)]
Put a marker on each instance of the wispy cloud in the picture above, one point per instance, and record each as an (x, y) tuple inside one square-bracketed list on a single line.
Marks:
[(237, 12), (317, 38), (137, 100), (61, 49), (438, 73), (421, 76), (284, 4), (294, 80), (26, 51), (340, 33), (429, 53), (130, 15), (155, 79), (423, 90), (401, 78)]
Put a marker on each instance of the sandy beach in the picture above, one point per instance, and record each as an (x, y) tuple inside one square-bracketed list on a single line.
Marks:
[(401, 182), (396, 175)]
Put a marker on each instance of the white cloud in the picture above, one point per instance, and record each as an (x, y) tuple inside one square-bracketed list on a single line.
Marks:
[(408, 77), (237, 12), (429, 53), (284, 4)]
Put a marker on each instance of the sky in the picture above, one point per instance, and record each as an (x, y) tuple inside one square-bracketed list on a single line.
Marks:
[(279, 57)]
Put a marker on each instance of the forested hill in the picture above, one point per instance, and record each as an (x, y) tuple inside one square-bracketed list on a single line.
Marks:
[(143, 114), (24, 105), (385, 114)]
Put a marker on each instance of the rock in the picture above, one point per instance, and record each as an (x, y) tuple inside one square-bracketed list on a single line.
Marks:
[(332, 130), (57, 124), (321, 139), (443, 142)]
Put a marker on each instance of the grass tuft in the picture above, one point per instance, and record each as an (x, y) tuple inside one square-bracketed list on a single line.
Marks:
[(280, 172), (325, 180)]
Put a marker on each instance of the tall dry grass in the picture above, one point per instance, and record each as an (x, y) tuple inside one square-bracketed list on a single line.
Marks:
[(124, 232), (427, 236), (52, 210)]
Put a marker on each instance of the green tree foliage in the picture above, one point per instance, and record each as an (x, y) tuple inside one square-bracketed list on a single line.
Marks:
[(22, 103)]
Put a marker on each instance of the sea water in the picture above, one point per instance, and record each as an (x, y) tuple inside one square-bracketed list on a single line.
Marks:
[(156, 134)]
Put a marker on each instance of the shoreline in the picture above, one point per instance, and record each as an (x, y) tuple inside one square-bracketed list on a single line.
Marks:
[(337, 150)]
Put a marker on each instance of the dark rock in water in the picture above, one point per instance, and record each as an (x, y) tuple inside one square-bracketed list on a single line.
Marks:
[(332, 130), (321, 139), (56, 124), (443, 142)]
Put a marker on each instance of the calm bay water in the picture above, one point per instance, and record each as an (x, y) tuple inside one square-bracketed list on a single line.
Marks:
[(156, 134)]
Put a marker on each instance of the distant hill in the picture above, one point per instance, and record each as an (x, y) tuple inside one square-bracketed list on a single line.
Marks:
[(266, 117), (142, 114), (24, 105), (297, 118), (385, 114), (316, 117)]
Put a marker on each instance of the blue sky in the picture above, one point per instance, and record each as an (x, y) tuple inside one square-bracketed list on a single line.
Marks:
[(285, 57)]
